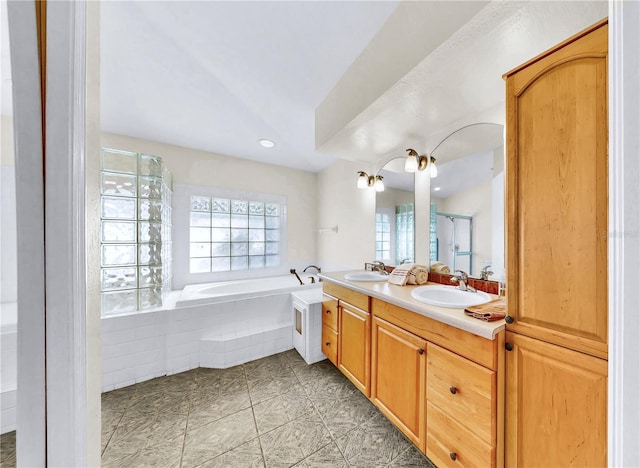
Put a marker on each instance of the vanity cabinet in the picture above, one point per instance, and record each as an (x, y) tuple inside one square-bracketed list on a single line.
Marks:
[(330, 328), (399, 378), (556, 249), (348, 324), (442, 386)]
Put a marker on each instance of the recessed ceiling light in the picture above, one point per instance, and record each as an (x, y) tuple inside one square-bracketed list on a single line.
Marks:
[(265, 143), (436, 189)]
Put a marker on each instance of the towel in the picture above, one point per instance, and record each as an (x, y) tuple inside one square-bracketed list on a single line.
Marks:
[(408, 273), (489, 312), (439, 267), (418, 275)]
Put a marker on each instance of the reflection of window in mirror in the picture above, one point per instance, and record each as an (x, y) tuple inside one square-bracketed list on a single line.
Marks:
[(395, 234)]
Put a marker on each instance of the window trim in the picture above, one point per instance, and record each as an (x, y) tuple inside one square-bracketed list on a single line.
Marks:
[(182, 194)]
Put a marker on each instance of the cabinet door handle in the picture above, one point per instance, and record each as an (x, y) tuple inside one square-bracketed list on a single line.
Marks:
[(453, 455), (328, 311), (453, 389), (508, 346), (509, 319), (327, 343), (420, 351)]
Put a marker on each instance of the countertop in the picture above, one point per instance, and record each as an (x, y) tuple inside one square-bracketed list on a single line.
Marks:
[(401, 296)]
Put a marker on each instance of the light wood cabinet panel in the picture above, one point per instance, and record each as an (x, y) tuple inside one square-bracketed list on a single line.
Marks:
[(330, 312), (350, 296), (556, 405), (354, 343), (473, 347), (451, 444), (464, 390), (330, 344), (557, 195), (398, 378)]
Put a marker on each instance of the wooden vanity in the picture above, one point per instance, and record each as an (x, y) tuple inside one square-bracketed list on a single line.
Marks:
[(440, 383)]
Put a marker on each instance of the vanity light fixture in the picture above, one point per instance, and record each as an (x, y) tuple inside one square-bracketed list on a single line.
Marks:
[(417, 162), (266, 143), (365, 180)]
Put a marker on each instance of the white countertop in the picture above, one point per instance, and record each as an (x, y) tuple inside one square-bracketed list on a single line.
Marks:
[(401, 296)]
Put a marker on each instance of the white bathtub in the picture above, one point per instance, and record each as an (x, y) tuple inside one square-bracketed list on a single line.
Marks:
[(8, 376), (215, 325), (224, 291)]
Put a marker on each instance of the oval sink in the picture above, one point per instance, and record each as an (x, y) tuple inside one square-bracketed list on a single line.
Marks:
[(365, 276), (449, 296)]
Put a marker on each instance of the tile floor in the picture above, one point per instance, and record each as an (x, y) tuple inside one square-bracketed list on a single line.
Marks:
[(274, 412)]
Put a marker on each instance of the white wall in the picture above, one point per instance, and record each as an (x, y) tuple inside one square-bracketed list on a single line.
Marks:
[(8, 241), (195, 167), (342, 204)]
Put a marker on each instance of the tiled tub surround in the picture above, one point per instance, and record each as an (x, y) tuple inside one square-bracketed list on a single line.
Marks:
[(8, 364), (215, 330), (273, 412)]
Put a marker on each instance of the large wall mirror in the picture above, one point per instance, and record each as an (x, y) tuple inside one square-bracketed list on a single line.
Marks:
[(466, 229), (395, 215)]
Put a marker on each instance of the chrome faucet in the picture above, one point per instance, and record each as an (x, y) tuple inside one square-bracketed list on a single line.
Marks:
[(379, 267), (485, 273), (462, 279)]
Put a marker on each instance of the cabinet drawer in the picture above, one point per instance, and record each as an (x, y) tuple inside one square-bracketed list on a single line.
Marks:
[(330, 344), (464, 390), (347, 295), (450, 444), (330, 312)]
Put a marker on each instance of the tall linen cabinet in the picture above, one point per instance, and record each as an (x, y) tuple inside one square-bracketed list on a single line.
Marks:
[(556, 203)]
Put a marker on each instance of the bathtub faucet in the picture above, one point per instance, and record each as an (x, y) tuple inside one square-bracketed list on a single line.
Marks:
[(293, 272), (318, 269)]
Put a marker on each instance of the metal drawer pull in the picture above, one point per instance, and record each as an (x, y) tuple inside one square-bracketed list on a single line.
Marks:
[(420, 351), (327, 343), (453, 456), (453, 390)]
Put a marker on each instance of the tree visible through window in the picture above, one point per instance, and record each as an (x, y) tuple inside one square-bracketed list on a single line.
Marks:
[(227, 234)]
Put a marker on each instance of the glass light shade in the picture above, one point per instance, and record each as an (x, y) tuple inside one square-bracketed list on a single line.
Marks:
[(379, 185), (433, 169), (363, 181), (411, 164)]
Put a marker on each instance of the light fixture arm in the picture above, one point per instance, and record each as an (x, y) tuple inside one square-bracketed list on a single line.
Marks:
[(456, 131)]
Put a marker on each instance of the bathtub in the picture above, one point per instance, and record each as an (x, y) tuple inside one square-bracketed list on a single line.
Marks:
[(8, 376), (225, 291), (215, 325)]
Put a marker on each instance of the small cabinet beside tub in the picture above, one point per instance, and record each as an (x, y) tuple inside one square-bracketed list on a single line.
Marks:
[(307, 323)]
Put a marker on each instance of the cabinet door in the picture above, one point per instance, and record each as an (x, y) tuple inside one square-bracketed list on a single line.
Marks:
[(398, 378), (354, 346), (556, 195), (556, 405)]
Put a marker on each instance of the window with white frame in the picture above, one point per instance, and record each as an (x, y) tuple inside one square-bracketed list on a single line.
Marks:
[(383, 237), (227, 234)]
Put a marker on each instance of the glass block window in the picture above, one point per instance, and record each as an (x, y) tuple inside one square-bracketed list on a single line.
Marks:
[(227, 234), (135, 236), (405, 233), (383, 237)]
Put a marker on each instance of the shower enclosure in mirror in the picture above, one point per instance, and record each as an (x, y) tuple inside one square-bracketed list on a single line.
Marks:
[(395, 215), (452, 243)]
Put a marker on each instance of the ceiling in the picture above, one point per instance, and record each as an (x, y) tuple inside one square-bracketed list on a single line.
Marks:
[(356, 80)]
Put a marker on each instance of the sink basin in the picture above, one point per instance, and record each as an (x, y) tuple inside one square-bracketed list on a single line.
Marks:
[(365, 276), (449, 296)]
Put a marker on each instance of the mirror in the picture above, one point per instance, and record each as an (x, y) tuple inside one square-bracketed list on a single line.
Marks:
[(466, 229), (395, 215)]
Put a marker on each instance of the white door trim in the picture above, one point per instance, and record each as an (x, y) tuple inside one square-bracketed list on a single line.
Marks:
[(66, 348), (31, 403), (624, 234)]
